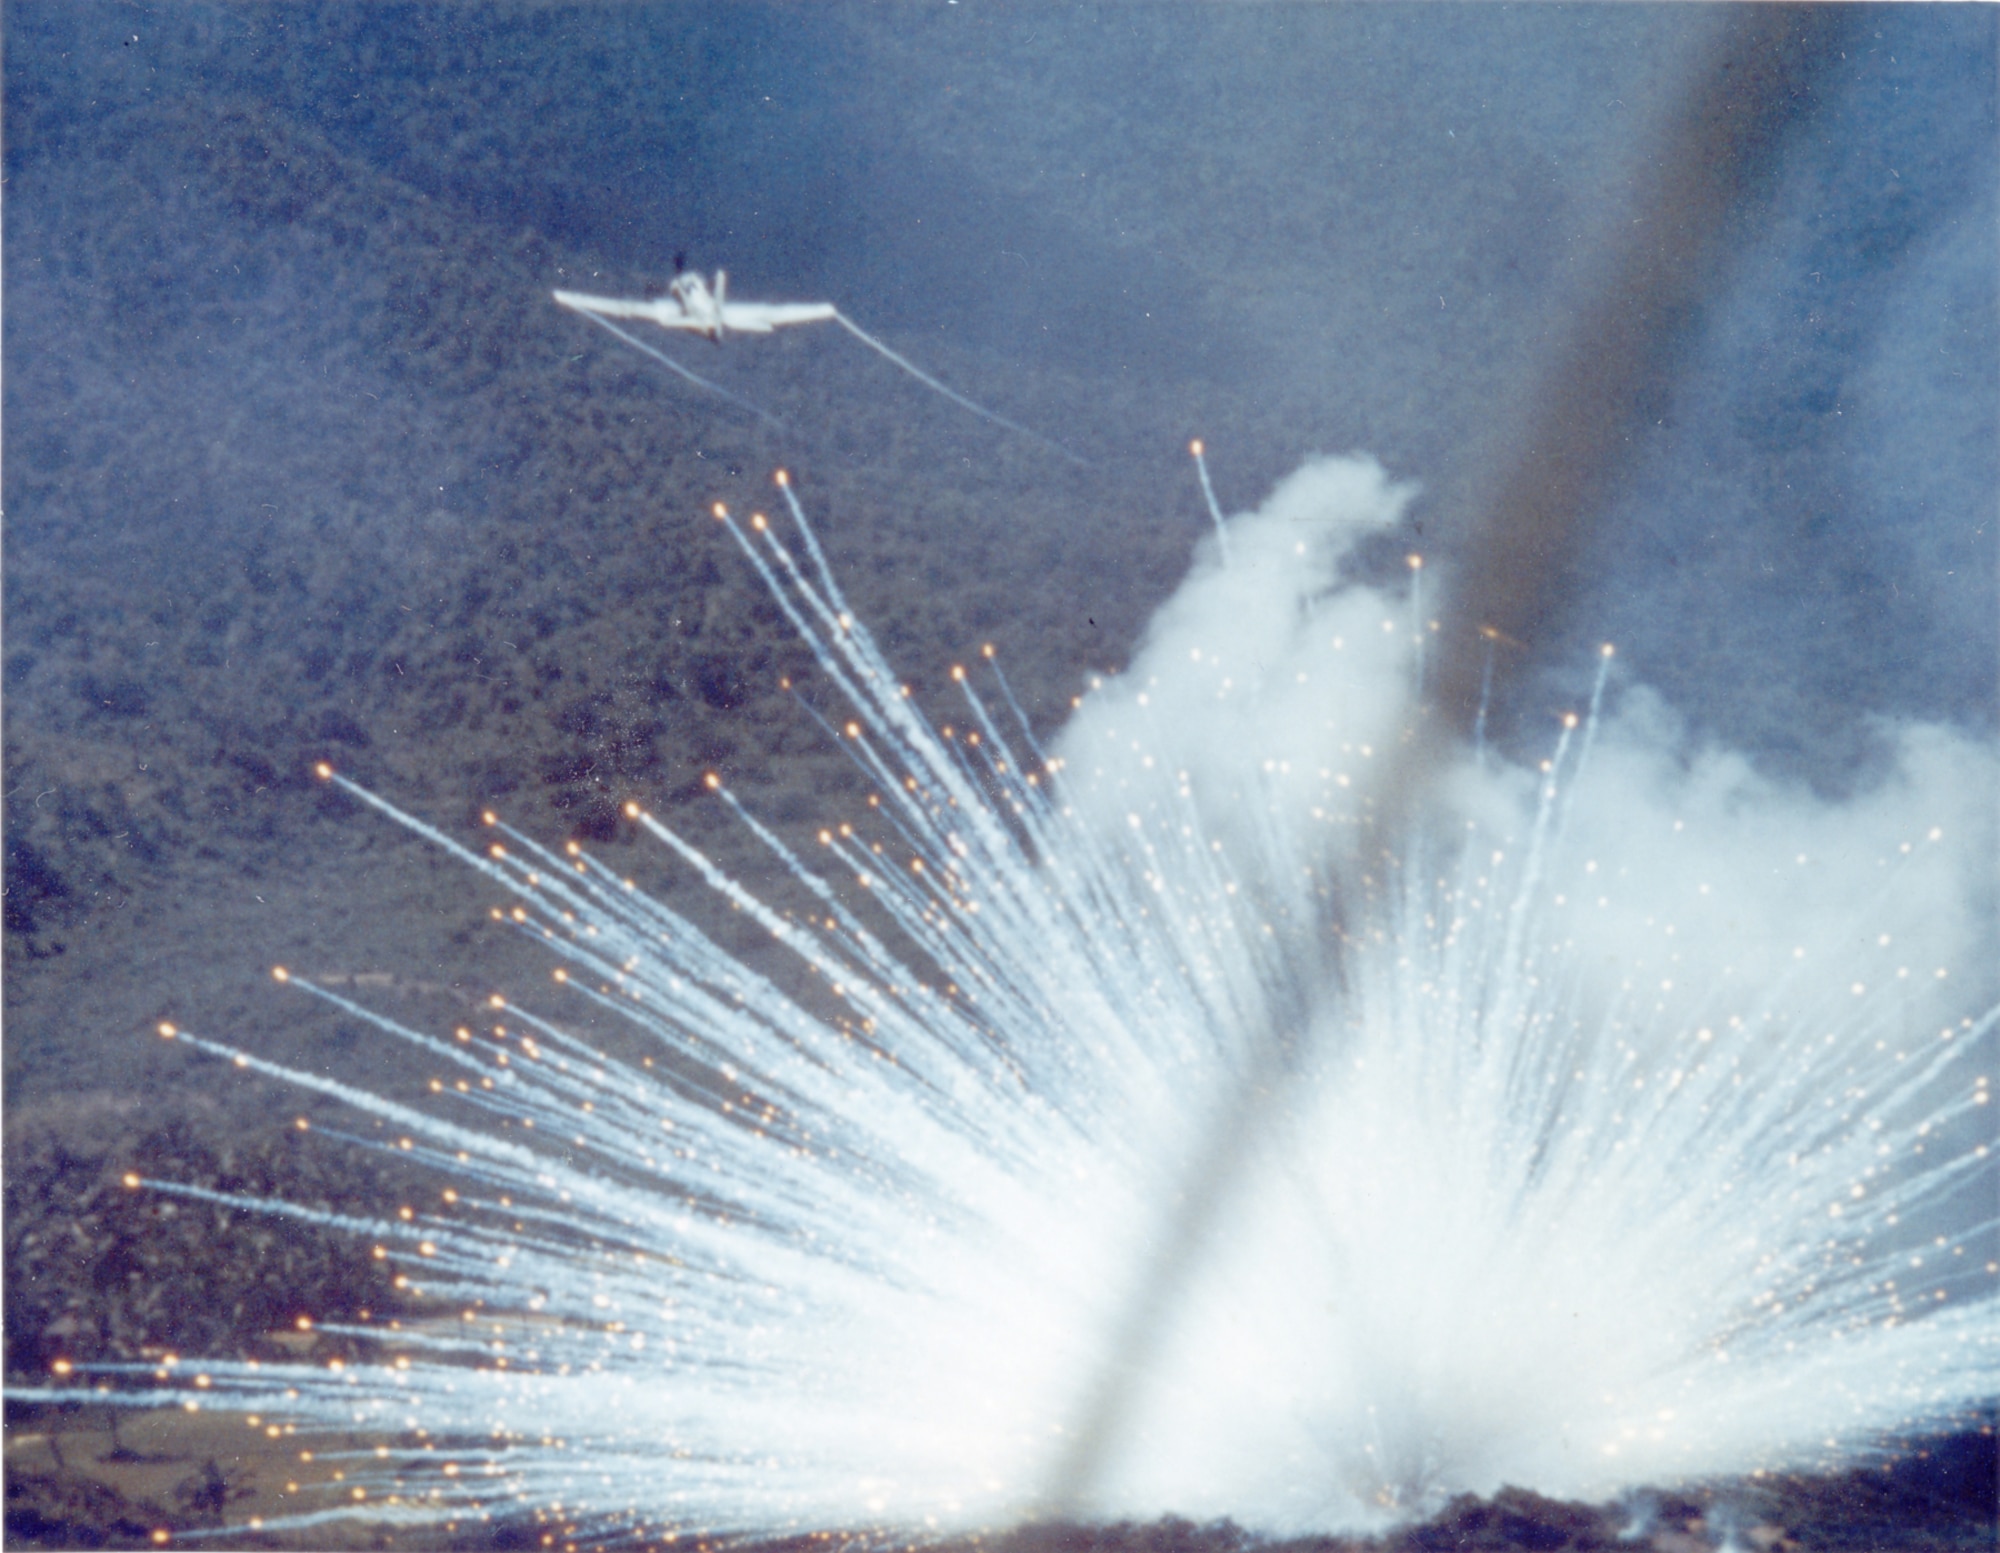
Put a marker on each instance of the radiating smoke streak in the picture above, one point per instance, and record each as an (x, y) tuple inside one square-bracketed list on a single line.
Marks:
[(1581, 1181), (1208, 495)]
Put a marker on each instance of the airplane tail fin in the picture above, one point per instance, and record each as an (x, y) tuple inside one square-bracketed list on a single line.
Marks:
[(721, 287)]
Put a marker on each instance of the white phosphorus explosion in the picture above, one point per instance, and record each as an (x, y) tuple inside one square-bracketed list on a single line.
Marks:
[(1632, 1127)]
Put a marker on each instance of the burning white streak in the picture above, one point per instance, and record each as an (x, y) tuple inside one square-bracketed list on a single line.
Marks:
[(1639, 1133)]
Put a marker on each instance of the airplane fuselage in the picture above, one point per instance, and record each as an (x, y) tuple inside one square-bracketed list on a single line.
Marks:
[(701, 307)]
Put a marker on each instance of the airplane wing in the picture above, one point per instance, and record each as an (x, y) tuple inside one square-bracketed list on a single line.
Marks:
[(667, 312), (763, 317)]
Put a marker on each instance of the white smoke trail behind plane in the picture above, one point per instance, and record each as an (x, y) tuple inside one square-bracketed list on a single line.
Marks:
[(691, 376), (1640, 1128), (952, 394)]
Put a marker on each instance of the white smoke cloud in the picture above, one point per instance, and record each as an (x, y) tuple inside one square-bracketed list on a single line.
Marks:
[(1538, 1207), (1264, 683)]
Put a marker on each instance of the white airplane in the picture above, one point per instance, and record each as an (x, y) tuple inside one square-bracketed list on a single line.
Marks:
[(689, 304)]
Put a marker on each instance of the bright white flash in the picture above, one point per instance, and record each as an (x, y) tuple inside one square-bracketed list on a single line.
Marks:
[(1635, 1126)]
